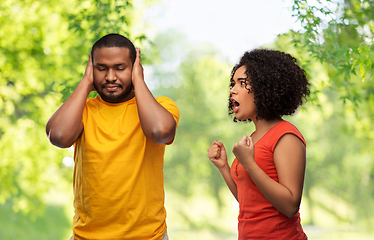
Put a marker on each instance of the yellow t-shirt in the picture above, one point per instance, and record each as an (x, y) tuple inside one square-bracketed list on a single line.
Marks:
[(118, 174)]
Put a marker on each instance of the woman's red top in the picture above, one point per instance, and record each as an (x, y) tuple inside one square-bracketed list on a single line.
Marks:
[(258, 219)]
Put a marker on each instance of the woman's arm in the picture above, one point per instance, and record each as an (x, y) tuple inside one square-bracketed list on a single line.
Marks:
[(217, 154), (289, 160)]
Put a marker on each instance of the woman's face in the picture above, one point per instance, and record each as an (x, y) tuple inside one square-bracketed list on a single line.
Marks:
[(241, 97)]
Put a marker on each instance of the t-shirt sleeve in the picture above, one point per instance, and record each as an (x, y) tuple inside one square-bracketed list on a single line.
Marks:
[(84, 119), (170, 105)]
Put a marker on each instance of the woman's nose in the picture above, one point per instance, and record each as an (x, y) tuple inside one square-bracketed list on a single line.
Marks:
[(232, 90)]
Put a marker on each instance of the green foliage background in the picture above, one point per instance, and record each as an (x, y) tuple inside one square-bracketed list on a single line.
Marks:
[(44, 46)]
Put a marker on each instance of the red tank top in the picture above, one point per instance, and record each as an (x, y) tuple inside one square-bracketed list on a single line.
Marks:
[(258, 219)]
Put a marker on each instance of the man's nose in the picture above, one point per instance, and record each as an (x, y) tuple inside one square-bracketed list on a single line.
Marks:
[(111, 75)]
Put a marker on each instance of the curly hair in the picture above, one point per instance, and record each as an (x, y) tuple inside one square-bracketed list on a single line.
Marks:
[(278, 83)]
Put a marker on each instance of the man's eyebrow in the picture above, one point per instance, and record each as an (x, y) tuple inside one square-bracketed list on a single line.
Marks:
[(120, 64), (116, 65)]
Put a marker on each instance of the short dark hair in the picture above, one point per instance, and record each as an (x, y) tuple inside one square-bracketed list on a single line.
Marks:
[(115, 40), (278, 83)]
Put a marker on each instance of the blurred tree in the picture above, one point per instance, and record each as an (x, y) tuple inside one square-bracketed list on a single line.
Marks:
[(340, 33), (338, 130), (339, 166), (44, 46), (197, 78), (335, 47)]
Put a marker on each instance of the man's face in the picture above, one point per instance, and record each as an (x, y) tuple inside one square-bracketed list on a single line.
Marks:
[(112, 74)]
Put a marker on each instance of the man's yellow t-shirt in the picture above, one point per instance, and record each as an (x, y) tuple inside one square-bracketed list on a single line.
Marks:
[(118, 174)]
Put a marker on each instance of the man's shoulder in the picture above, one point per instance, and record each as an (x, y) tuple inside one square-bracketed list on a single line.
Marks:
[(169, 105), (165, 101), (91, 103), (163, 98), (91, 100)]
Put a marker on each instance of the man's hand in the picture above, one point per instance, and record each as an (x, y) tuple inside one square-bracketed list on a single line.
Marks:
[(88, 74), (137, 69)]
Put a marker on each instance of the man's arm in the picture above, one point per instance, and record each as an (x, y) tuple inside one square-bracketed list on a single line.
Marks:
[(65, 126), (157, 123)]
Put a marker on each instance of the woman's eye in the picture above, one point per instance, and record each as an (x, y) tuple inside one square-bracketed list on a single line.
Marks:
[(243, 83)]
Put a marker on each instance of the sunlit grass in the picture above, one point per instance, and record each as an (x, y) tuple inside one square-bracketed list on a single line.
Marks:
[(324, 233), (53, 224), (211, 223), (197, 217)]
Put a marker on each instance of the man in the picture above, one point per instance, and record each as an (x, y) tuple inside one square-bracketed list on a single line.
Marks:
[(119, 141)]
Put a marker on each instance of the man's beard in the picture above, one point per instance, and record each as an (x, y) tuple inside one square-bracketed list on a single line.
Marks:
[(114, 98)]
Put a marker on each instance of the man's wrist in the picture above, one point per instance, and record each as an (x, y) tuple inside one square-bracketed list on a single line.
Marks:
[(86, 84)]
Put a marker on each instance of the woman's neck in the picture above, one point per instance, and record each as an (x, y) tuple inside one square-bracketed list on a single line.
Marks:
[(262, 127)]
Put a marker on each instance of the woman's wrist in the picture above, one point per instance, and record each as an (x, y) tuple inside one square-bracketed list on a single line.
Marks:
[(224, 168), (249, 165)]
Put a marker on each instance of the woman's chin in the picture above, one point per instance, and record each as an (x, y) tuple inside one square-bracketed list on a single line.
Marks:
[(240, 117)]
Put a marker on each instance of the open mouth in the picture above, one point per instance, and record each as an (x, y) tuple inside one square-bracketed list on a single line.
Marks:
[(236, 105)]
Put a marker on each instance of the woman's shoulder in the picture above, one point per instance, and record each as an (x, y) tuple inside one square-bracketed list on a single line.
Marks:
[(282, 128), (286, 126)]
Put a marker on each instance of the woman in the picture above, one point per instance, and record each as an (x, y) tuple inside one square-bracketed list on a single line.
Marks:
[(267, 175)]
